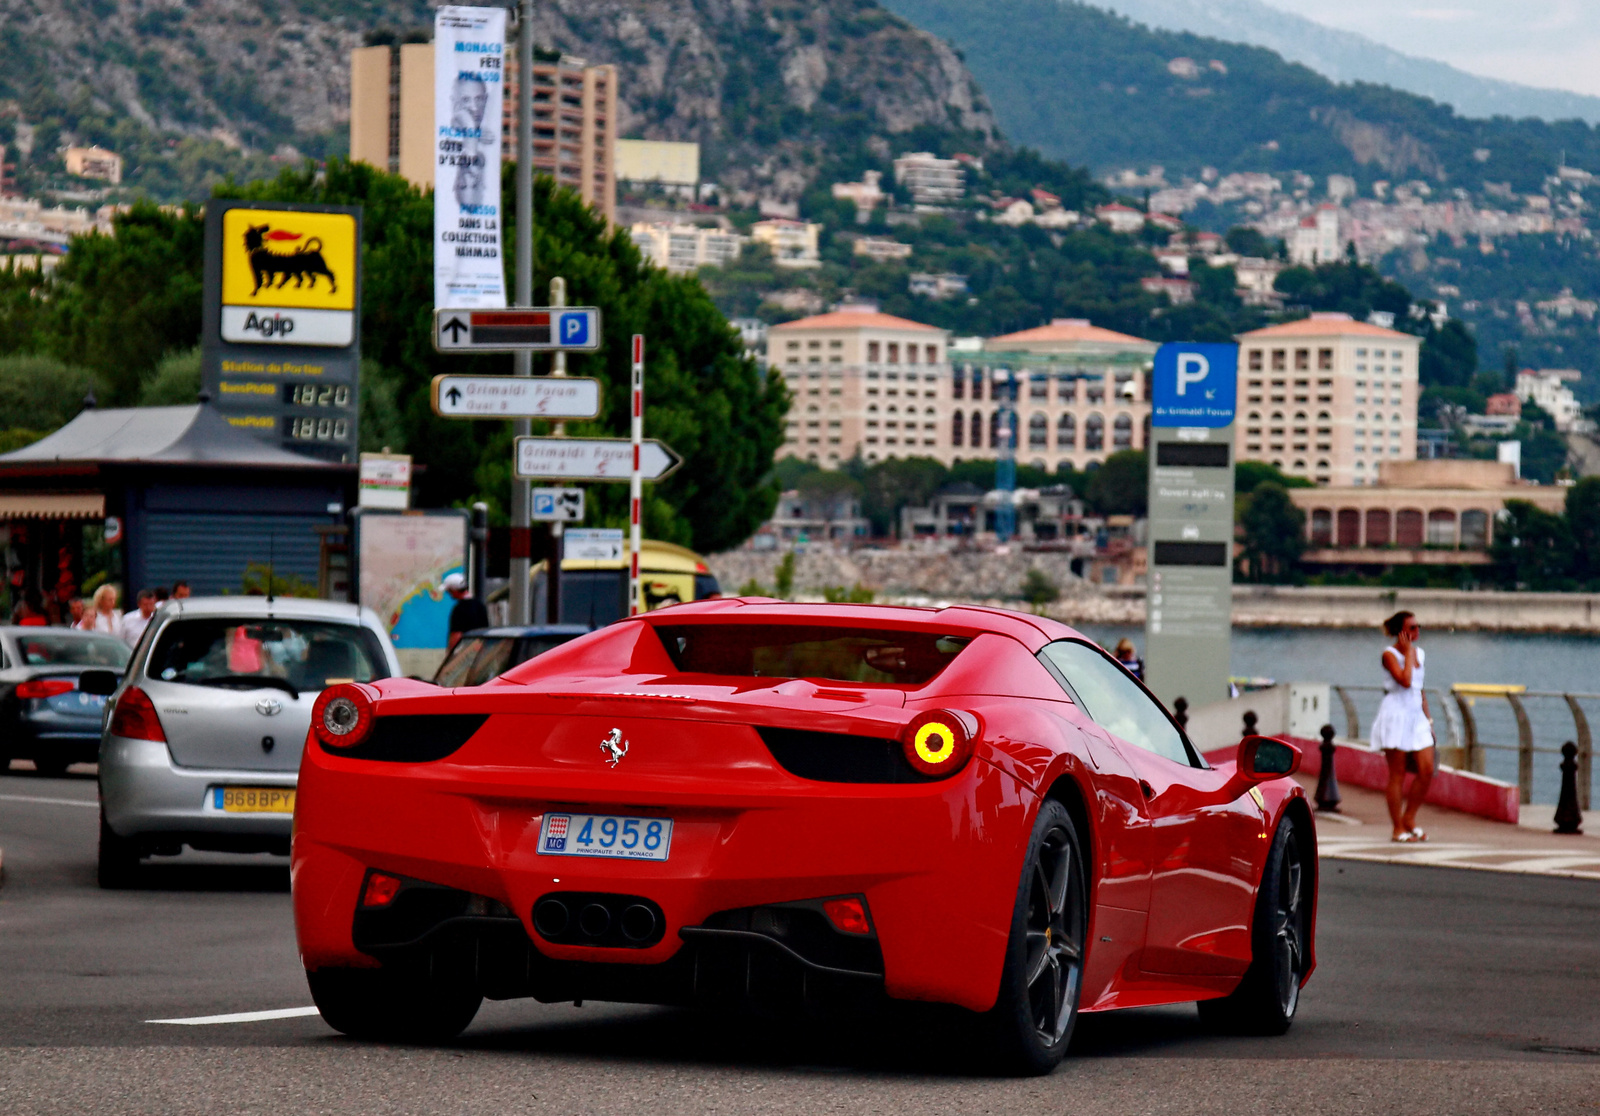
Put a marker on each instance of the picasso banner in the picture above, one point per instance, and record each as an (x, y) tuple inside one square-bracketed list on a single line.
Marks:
[(469, 86)]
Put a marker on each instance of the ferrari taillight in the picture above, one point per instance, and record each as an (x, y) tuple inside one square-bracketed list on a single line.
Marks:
[(342, 716), (380, 890), (848, 915), (135, 717), (939, 742)]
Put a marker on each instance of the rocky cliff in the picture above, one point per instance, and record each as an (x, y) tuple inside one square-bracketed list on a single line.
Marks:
[(768, 87)]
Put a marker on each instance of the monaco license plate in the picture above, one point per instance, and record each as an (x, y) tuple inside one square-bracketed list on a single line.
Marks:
[(605, 835), (253, 800)]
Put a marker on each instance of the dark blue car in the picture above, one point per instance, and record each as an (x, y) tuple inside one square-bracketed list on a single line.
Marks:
[(489, 652), (44, 715)]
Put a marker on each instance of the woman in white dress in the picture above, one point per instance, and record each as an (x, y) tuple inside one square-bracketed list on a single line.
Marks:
[(1403, 728), (103, 617)]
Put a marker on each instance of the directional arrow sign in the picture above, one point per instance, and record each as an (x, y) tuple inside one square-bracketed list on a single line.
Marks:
[(597, 459), (499, 397), (537, 328)]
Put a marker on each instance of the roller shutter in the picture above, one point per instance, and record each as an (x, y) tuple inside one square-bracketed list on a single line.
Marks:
[(211, 550)]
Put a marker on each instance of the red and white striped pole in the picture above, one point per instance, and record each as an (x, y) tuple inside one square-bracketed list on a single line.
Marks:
[(635, 482)]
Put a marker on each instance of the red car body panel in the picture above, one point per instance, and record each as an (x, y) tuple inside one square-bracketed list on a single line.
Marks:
[(1174, 874)]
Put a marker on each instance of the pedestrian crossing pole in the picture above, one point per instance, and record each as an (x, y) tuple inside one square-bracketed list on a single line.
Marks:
[(635, 482)]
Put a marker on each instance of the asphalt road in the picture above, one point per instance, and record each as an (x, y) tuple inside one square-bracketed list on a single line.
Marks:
[(1439, 991)]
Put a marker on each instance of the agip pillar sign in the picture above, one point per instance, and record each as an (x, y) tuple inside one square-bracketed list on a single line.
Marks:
[(281, 323), (1189, 602)]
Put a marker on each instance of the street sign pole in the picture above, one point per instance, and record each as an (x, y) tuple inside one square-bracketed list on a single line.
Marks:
[(521, 543), (635, 480), (552, 573), (1189, 591)]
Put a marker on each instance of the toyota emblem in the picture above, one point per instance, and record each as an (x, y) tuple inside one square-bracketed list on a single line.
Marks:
[(269, 707)]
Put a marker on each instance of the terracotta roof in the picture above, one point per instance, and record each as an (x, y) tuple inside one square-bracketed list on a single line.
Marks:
[(1067, 331), (856, 319), (1317, 326)]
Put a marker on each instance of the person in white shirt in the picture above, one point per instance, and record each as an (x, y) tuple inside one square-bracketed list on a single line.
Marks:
[(103, 617), (134, 623)]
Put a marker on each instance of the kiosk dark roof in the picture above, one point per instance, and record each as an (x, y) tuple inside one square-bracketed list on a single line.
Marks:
[(189, 435)]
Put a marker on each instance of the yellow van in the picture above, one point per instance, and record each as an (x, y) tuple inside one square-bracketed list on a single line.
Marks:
[(596, 592)]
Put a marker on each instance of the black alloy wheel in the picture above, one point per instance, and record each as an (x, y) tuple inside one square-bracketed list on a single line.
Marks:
[(1033, 1018), (119, 858), (1269, 995), (395, 1005)]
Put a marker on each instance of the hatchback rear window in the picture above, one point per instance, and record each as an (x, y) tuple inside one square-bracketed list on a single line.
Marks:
[(307, 654), (872, 655), (65, 650)]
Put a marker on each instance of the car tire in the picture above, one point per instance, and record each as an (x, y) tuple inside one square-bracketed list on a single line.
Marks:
[(1267, 998), (394, 1005), (1031, 1023), (119, 858), (51, 767)]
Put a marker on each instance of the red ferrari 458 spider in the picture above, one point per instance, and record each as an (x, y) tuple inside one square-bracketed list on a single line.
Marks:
[(798, 806)]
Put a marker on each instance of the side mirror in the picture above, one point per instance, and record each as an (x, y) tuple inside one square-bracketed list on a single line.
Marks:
[(103, 683), (1265, 757)]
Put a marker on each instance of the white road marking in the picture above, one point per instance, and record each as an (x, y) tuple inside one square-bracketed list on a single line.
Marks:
[(48, 801), (240, 1017)]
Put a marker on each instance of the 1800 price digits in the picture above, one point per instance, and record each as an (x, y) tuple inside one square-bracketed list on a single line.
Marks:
[(311, 429)]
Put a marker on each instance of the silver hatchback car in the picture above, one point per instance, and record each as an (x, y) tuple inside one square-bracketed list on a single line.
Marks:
[(203, 735)]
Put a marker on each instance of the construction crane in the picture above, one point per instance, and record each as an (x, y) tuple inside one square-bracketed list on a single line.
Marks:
[(1005, 469)]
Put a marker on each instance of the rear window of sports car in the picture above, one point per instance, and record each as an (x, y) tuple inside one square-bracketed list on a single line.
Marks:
[(870, 655)]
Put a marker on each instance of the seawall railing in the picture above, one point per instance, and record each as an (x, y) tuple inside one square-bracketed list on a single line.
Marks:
[(1499, 731)]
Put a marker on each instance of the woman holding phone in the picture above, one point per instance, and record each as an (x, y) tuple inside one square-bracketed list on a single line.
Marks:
[(1403, 728)]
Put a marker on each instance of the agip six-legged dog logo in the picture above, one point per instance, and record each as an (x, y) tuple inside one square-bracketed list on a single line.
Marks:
[(303, 264)]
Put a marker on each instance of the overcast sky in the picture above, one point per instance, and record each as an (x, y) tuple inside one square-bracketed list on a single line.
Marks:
[(1550, 43)]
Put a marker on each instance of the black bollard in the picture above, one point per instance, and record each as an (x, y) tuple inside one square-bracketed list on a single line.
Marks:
[(1250, 722), (1180, 712), (1328, 782), (1569, 819)]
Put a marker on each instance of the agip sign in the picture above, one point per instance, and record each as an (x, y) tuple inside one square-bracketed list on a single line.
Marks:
[(281, 335), (288, 277)]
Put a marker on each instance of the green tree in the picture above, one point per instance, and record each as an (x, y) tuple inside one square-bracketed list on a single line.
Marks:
[(783, 577), (1532, 548), (1246, 241), (896, 483), (1039, 590), (176, 381), (40, 393), (117, 304), (1583, 521), (1121, 486), (1247, 475), (1273, 531), (1449, 356)]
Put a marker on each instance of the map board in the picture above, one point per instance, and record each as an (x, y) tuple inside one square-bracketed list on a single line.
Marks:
[(402, 561)]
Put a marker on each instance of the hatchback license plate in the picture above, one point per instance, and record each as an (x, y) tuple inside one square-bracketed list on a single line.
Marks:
[(605, 835), (253, 800)]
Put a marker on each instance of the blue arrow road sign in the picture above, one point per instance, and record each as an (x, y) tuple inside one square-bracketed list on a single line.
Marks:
[(1194, 384)]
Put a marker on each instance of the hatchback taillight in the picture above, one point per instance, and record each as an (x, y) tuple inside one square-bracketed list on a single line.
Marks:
[(135, 717), (45, 687)]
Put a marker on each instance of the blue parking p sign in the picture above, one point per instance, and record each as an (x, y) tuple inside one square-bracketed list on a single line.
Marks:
[(574, 330), (1194, 384)]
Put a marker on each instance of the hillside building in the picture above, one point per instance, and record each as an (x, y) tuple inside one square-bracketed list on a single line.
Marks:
[(793, 243), (933, 182), (657, 161), (1121, 218), (863, 381), (684, 249), (1316, 240), (881, 248), (1328, 398), (574, 119), (94, 162), (867, 194), (1547, 389)]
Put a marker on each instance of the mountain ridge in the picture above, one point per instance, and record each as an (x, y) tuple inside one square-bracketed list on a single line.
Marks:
[(1346, 56)]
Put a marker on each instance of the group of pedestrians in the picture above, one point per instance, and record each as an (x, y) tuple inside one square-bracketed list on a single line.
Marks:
[(99, 612)]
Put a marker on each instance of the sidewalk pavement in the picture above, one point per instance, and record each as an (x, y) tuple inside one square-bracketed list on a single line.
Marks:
[(1361, 831)]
